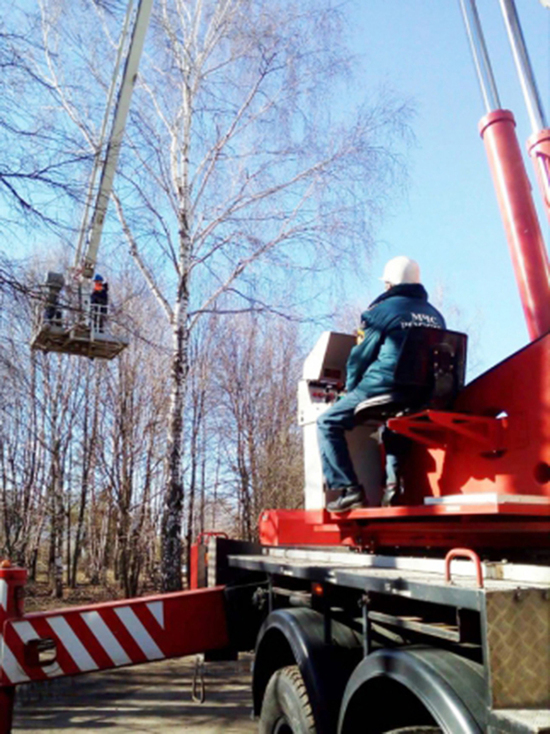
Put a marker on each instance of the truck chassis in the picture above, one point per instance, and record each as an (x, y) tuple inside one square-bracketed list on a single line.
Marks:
[(344, 640)]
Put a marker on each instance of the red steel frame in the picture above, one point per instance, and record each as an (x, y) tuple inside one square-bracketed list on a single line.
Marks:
[(196, 549), (496, 443), (100, 636), (489, 525)]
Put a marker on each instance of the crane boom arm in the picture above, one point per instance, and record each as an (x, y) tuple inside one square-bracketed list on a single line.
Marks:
[(87, 264)]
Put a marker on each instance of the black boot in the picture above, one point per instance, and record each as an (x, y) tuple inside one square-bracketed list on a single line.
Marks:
[(350, 499)]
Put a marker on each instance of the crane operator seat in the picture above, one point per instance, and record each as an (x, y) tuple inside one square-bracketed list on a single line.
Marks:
[(430, 371)]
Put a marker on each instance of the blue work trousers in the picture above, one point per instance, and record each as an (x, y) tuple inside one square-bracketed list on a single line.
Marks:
[(331, 427), (335, 457)]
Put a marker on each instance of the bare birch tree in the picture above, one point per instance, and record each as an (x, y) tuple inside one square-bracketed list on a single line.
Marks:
[(22, 453)]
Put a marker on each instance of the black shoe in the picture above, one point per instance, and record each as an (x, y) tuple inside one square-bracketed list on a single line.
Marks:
[(350, 499), (391, 496)]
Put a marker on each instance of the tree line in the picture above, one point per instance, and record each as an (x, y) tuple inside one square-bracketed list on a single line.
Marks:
[(83, 444), (252, 176)]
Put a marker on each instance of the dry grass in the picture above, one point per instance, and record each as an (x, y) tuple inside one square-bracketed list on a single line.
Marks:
[(39, 598)]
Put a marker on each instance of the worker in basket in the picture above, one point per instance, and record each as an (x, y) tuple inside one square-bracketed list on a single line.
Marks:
[(99, 301), (370, 371), (53, 313)]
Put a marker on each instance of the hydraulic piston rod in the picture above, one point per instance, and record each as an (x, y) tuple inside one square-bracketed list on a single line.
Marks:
[(539, 143), (523, 232), (523, 65), (480, 55)]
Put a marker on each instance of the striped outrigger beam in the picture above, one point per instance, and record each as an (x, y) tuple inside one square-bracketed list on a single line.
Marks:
[(77, 640)]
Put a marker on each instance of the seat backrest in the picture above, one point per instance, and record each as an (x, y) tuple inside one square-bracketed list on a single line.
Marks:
[(434, 360)]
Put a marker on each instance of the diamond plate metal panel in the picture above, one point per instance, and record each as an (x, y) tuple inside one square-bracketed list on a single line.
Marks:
[(518, 648), (519, 721)]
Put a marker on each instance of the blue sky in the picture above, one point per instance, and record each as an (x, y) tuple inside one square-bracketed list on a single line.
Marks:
[(449, 219)]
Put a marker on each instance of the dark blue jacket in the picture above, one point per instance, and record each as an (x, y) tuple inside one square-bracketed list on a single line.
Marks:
[(371, 364)]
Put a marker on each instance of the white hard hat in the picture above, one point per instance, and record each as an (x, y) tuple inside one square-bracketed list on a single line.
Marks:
[(401, 269)]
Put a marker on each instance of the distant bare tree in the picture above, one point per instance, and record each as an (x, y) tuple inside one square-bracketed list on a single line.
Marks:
[(258, 365), (22, 453), (129, 447)]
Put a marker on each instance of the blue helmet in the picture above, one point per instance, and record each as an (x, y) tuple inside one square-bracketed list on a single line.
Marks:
[(98, 277)]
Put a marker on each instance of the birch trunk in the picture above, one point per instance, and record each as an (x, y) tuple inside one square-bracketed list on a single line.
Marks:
[(171, 541), (173, 500), (57, 516)]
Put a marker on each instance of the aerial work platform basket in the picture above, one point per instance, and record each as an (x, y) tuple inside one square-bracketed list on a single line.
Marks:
[(81, 339), (82, 331)]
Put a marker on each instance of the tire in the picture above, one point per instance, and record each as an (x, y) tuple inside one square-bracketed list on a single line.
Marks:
[(286, 708), (416, 730)]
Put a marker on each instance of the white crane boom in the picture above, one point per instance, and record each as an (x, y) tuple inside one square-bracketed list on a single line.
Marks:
[(86, 264), (84, 330)]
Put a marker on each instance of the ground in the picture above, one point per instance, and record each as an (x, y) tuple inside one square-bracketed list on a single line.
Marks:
[(39, 597), (145, 698)]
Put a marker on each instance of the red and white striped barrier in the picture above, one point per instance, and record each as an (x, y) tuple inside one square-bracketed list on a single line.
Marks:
[(43, 645)]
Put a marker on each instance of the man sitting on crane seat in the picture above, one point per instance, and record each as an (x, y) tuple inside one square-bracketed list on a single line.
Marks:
[(99, 300), (370, 371)]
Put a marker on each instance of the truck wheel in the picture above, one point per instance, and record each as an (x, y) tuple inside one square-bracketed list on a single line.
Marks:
[(286, 708)]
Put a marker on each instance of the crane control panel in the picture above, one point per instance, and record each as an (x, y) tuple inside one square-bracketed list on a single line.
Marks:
[(323, 375)]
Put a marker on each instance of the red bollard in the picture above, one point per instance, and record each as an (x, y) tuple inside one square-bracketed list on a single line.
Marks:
[(12, 584), (7, 700)]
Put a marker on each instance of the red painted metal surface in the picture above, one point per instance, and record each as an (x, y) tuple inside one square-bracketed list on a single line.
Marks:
[(527, 248), (433, 428), (202, 540), (194, 566), (113, 634), (517, 389), (513, 460), (464, 553), (539, 149), (516, 459), (12, 583), (491, 525)]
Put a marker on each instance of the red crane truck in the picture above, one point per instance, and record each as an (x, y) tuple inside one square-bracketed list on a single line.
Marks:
[(397, 620)]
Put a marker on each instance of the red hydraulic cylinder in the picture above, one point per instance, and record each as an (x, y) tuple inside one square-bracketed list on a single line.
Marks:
[(527, 248), (538, 146)]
